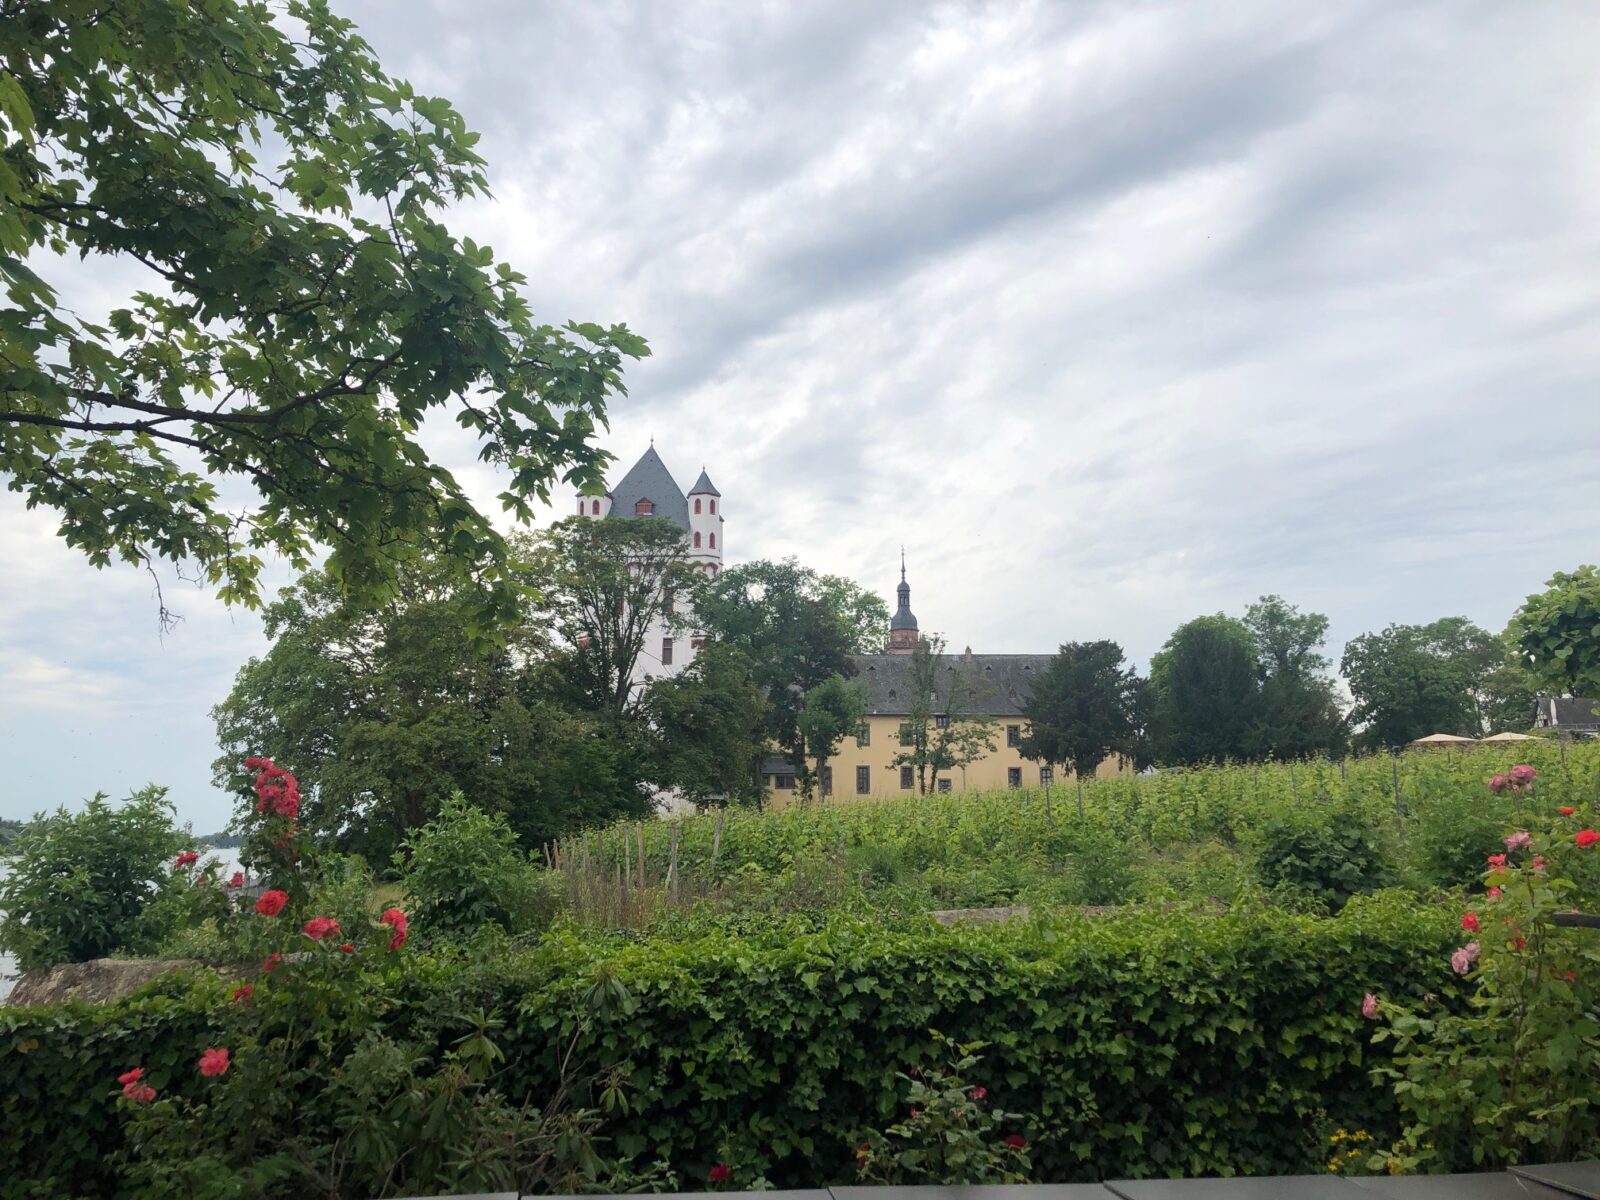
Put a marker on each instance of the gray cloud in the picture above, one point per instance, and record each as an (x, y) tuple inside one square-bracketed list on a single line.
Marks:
[(1113, 314)]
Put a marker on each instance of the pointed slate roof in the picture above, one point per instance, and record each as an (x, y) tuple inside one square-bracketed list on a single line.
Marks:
[(703, 486), (650, 480)]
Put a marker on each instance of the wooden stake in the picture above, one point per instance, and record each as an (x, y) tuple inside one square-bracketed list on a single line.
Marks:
[(1080, 797), (640, 829), (716, 839), (627, 862), (1394, 765), (672, 859)]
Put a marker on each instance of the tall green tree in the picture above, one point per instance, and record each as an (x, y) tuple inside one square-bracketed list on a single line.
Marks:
[(1412, 680), (1087, 705), (384, 711), (798, 628), (1205, 691), (1556, 634), (709, 722), (303, 310), (608, 583), (943, 730), (1298, 711), (833, 710)]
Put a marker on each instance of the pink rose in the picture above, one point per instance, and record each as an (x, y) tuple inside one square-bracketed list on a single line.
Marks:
[(1520, 840), (1369, 1007), (1463, 958)]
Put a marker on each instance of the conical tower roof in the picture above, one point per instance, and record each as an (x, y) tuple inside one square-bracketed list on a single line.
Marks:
[(703, 486), (649, 479)]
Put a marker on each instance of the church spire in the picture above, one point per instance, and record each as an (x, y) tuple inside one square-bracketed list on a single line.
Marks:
[(903, 625)]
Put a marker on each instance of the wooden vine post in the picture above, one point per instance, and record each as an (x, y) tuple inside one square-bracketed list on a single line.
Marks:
[(716, 840)]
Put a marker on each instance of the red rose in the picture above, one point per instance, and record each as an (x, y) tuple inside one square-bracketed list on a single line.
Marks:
[(1521, 943), (271, 903), (237, 880), (1497, 860), (320, 927), (139, 1093), (396, 920), (242, 993), (213, 1063), (978, 1093), (1469, 922), (185, 859), (272, 962), (1017, 1142), (1566, 812), (1586, 837), (720, 1173), (347, 947)]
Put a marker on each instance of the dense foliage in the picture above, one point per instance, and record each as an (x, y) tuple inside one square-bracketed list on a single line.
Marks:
[(1424, 816), (1163, 1042), (1515, 1075), (84, 884), (1556, 633), (304, 309)]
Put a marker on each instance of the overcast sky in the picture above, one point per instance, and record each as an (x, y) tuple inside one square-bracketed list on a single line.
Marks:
[(1112, 314)]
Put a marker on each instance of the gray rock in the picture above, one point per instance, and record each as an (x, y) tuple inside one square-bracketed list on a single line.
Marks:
[(98, 981)]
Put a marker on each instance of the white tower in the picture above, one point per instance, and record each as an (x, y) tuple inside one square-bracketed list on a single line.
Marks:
[(705, 525)]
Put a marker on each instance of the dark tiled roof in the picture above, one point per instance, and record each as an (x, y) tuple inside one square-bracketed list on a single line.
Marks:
[(703, 486), (650, 480), (1571, 711), (1001, 683)]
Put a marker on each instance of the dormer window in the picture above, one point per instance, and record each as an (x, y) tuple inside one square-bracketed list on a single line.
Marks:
[(644, 508)]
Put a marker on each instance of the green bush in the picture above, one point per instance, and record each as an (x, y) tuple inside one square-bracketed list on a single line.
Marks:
[(81, 882), (1328, 857), (465, 869), (1145, 1044)]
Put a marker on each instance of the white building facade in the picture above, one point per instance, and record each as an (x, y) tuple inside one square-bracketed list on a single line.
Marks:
[(648, 490)]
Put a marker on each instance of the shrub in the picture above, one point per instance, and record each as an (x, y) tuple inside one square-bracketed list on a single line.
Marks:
[(950, 1133), (1515, 1076), (81, 882), (1453, 833), (1146, 1044), (465, 869), (1329, 860)]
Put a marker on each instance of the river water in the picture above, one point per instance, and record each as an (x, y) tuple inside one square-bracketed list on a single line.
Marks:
[(8, 965)]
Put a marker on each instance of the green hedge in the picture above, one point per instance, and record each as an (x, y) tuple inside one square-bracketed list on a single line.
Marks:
[(1145, 1044)]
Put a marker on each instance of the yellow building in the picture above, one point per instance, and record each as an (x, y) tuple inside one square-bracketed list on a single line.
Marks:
[(994, 687)]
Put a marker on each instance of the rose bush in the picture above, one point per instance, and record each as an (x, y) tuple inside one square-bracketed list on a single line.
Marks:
[(1515, 1075)]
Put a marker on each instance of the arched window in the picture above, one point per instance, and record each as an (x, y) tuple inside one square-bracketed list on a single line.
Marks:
[(580, 506), (594, 507), (643, 509), (697, 504), (713, 506), (697, 541), (713, 541)]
